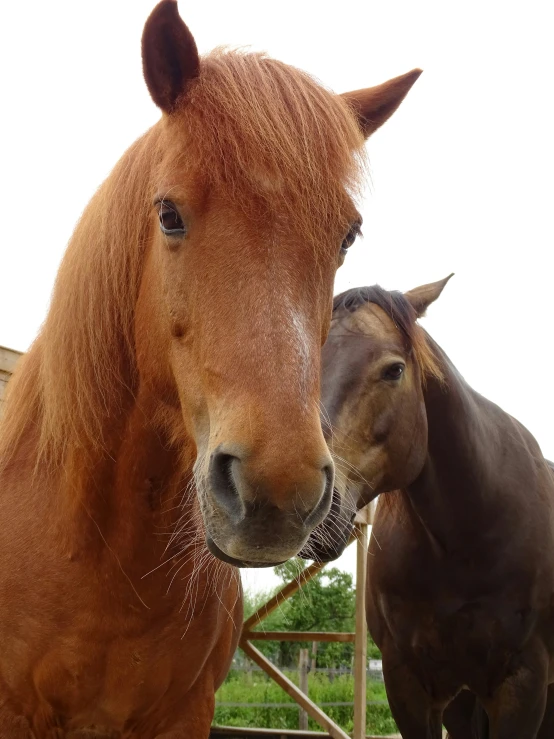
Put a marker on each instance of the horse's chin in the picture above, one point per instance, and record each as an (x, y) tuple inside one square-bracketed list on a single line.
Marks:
[(220, 554), (328, 541), (319, 553)]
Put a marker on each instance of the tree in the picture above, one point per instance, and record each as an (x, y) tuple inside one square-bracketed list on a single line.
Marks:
[(275, 621), (325, 603)]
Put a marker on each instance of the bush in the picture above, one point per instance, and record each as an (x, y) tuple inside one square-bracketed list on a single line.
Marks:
[(243, 686)]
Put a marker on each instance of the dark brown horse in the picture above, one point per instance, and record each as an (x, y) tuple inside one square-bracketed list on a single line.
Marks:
[(461, 560), (169, 409)]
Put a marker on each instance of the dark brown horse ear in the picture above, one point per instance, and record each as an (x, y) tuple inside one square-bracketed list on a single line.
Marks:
[(375, 105), (422, 297), (169, 55)]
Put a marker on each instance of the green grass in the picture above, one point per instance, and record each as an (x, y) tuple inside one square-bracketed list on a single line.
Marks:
[(255, 687)]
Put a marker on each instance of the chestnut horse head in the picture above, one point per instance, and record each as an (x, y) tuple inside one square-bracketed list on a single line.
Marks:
[(374, 365), (199, 285)]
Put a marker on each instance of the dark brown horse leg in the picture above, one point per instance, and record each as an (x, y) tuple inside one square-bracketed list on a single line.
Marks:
[(547, 726), (458, 716), (411, 706), (463, 720), (517, 709)]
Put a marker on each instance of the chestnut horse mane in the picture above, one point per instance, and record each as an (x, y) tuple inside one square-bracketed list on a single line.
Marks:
[(400, 310), (255, 120), (246, 121)]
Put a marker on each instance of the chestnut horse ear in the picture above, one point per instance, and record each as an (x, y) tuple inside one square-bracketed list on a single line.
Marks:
[(169, 55), (374, 105), (421, 297)]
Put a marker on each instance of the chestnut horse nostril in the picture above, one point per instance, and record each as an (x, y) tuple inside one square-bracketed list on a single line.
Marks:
[(322, 507), (237, 498), (329, 472), (223, 485)]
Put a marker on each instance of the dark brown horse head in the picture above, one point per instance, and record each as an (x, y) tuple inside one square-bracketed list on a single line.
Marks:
[(374, 364), (252, 213)]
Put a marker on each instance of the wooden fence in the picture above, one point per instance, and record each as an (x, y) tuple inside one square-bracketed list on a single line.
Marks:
[(359, 637), (235, 732)]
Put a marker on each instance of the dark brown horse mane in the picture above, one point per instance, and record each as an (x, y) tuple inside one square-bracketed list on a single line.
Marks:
[(393, 302), (400, 310)]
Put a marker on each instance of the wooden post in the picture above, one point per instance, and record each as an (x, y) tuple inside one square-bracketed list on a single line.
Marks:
[(326, 723), (303, 685), (360, 643), (314, 655), (274, 673)]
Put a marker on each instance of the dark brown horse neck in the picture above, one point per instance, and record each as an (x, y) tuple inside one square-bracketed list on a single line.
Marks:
[(481, 472)]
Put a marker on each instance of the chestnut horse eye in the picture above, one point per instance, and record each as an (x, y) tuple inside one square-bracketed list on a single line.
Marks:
[(394, 372), (171, 222), (350, 238)]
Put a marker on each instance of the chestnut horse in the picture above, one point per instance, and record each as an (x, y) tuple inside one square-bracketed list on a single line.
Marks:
[(169, 409), (461, 560)]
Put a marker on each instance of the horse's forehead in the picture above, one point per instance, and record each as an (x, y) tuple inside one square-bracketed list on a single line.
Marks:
[(182, 179), (372, 320)]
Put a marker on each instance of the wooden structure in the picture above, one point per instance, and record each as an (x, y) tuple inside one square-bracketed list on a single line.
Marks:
[(8, 360), (235, 732), (359, 637)]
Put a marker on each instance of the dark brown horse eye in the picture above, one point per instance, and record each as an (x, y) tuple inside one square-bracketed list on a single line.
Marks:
[(171, 222), (394, 372)]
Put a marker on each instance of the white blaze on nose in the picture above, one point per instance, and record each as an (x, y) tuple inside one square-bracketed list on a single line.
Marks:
[(299, 344)]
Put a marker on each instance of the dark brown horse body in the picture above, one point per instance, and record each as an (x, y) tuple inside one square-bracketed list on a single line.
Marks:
[(461, 559), (169, 409)]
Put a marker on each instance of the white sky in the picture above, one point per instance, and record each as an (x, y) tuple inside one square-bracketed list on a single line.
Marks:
[(462, 175)]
